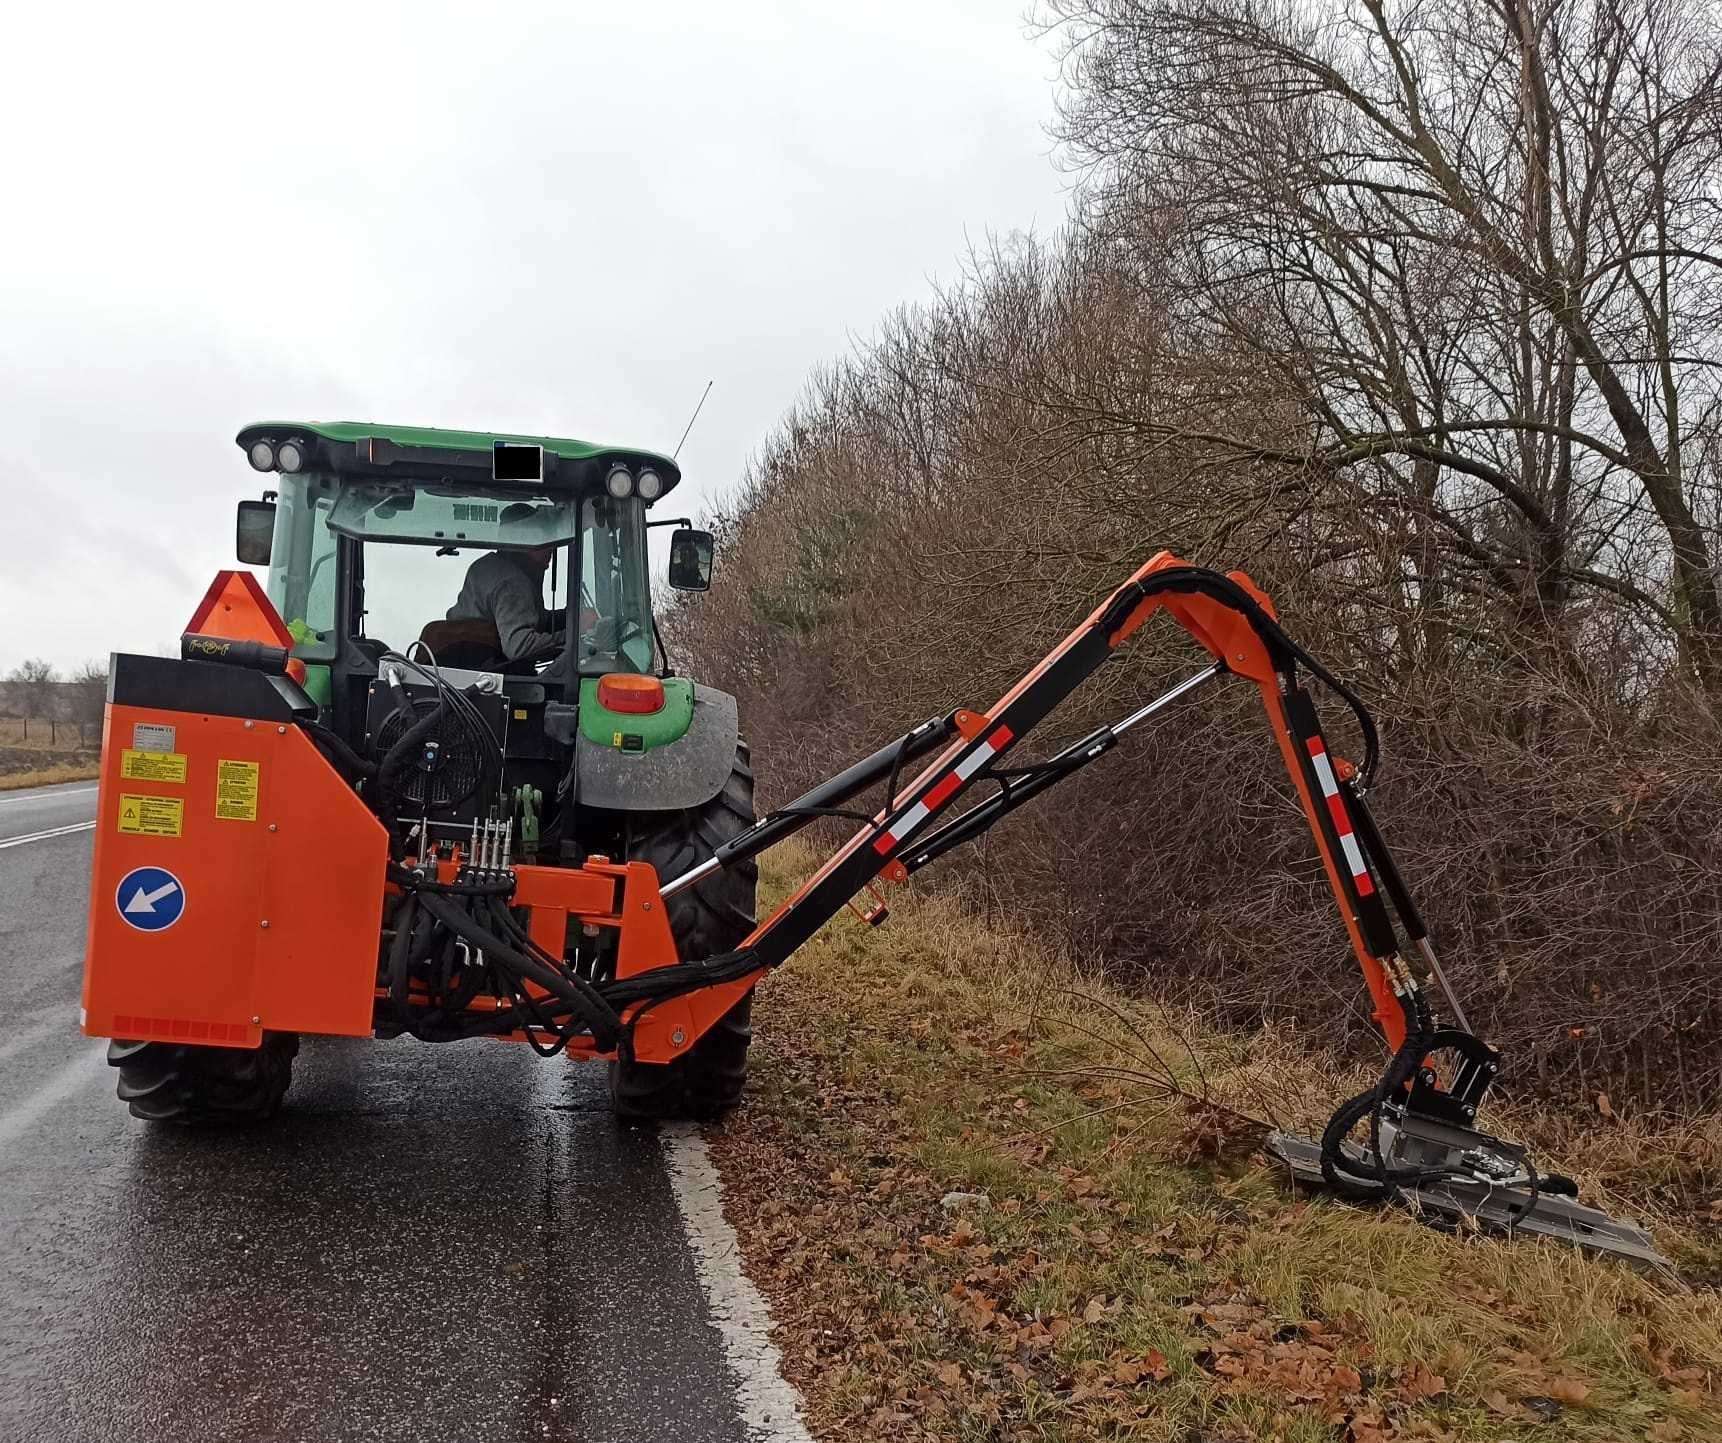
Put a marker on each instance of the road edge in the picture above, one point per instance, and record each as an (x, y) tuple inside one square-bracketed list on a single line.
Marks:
[(771, 1409)]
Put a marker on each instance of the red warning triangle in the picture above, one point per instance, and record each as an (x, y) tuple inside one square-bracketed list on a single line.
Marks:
[(236, 607)]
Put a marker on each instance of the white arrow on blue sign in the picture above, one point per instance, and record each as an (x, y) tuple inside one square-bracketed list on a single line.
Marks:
[(151, 899)]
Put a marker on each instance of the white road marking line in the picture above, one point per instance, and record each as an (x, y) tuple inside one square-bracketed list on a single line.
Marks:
[(76, 1075), (47, 835), (35, 796), (771, 1410), (61, 1021)]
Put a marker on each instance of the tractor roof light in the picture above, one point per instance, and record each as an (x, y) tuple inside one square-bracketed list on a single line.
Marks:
[(290, 455), (650, 485), (631, 695), (261, 455), (620, 482)]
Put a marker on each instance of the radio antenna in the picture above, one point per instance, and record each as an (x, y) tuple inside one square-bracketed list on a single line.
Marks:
[(691, 419)]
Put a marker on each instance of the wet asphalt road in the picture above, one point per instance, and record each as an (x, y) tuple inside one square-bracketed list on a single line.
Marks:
[(431, 1243)]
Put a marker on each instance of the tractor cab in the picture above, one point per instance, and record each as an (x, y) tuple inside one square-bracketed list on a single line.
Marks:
[(390, 553)]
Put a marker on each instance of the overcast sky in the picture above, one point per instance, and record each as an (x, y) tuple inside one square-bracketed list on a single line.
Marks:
[(540, 218)]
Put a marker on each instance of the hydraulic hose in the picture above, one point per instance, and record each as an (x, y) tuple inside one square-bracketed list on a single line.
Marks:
[(1223, 589), (342, 756), (581, 998)]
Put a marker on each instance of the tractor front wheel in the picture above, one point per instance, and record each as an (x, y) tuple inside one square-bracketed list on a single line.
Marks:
[(708, 919), (174, 1082)]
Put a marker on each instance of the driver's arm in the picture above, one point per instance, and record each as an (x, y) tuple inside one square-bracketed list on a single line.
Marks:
[(519, 616)]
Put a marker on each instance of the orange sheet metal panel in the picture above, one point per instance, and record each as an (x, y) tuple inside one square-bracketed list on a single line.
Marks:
[(237, 885)]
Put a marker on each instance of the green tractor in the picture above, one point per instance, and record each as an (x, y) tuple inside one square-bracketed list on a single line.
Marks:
[(386, 547)]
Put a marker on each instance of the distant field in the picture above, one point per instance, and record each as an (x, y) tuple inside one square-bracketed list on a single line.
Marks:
[(38, 755), (40, 736)]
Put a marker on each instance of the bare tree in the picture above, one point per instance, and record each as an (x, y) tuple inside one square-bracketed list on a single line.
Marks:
[(31, 691), (87, 692), (1478, 241)]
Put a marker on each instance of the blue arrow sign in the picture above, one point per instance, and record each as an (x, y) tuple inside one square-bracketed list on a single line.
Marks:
[(151, 899)]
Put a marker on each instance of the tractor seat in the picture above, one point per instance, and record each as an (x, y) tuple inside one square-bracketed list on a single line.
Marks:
[(469, 645)]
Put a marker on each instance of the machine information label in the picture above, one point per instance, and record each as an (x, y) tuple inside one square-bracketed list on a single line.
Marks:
[(236, 791), (151, 816), (152, 766), (152, 737)]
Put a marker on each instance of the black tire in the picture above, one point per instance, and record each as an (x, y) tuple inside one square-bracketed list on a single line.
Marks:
[(705, 920), (174, 1082)]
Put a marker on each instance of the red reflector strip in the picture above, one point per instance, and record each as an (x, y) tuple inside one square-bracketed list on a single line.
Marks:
[(1360, 877), (944, 789), (937, 796), (182, 1029)]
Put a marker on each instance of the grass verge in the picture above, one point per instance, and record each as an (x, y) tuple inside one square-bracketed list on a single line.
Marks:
[(49, 776), (991, 1198)]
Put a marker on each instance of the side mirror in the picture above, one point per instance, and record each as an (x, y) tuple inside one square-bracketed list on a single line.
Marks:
[(254, 535), (691, 559)]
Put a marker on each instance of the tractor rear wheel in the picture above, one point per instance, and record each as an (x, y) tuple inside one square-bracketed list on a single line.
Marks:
[(708, 919), (174, 1082)]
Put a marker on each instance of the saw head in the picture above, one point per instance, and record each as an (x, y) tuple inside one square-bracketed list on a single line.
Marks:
[(1479, 1182)]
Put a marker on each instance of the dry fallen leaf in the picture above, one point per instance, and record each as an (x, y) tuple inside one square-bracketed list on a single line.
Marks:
[(1418, 1383), (1568, 1390), (949, 1374), (1665, 1430)]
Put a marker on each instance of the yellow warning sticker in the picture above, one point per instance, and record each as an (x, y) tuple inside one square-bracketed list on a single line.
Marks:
[(236, 791), (152, 766), (152, 816)]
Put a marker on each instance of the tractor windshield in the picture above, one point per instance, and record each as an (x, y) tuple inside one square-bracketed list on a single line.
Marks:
[(407, 587), (417, 544)]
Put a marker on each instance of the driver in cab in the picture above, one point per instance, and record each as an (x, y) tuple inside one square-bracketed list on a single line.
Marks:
[(506, 589)]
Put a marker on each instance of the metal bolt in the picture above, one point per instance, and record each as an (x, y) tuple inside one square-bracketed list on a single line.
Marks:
[(249, 725), (1470, 1112), (645, 906), (256, 1021), (281, 731), (273, 827), (264, 924), (678, 1037)]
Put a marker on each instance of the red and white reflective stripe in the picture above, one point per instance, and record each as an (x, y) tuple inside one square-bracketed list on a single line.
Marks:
[(942, 790), (1341, 819)]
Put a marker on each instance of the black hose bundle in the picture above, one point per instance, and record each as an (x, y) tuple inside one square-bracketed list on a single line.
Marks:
[(1370, 1177), (342, 757), (1199, 580)]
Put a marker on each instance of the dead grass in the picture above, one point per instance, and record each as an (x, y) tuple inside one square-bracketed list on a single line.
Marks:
[(1135, 1269), (38, 761), (49, 775)]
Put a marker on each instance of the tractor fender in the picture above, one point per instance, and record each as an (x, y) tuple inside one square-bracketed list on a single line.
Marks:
[(687, 772)]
